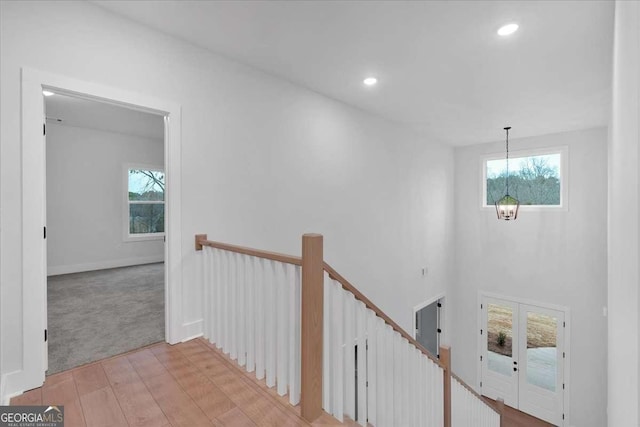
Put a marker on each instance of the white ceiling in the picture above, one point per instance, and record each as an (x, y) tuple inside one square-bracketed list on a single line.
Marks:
[(93, 114), (441, 66)]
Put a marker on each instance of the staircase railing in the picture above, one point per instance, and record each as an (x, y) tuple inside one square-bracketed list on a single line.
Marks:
[(301, 326)]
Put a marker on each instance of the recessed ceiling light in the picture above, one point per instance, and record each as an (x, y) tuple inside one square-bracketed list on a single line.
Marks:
[(47, 93), (370, 81), (508, 29)]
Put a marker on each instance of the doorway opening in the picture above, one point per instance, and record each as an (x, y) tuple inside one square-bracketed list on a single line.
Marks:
[(105, 217), (523, 357), (428, 324), (33, 312)]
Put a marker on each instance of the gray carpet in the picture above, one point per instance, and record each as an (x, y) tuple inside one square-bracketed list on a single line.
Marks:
[(102, 313)]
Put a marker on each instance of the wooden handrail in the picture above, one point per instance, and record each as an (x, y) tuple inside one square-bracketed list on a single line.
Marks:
[(201, 240), (313, 245), (333, 274)]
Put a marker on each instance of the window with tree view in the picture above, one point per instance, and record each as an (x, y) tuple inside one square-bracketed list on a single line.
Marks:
[(145, 201), (534, 180)]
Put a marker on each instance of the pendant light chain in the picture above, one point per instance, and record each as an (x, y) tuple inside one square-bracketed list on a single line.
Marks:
[(507, 207), (507, 129)]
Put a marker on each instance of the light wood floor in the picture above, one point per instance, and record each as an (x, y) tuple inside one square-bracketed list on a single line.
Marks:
[(514, 418), (190, 384)]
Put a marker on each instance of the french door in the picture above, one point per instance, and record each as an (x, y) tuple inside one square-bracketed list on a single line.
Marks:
[(522, 357)]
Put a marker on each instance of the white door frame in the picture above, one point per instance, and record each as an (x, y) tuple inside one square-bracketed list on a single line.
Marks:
[(567, 342), (34, 268)]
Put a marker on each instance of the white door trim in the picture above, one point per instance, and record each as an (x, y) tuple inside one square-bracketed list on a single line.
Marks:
[(567, 342), (34, 268)]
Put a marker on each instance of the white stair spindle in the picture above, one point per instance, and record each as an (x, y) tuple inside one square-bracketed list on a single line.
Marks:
[(349, 358), (326, 347), (362, 362), (270, 325), (337, 350), (260, 302), (282, 307), (293, 280)]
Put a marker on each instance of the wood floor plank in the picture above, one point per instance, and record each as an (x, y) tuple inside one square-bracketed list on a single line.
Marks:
[(176, 404), (119, 371), (101, 409), (211, 400), (60, 392), (90, 378), (29, 398), (73, 414), (146, 364), (191, 384), (234, 418), (138, 405)]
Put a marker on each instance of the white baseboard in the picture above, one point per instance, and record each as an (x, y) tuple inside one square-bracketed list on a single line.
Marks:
[(102, 265), (192, 330), (10, 386)]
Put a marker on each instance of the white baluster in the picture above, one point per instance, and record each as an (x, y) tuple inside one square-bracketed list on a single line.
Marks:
[(282, 307), (206, 288), (372, 363), (326, 347), (337, 349), (293, 280), (242, 310), (260, 302), (349, 356), (361, 332), (250, 298), (270, 324), (233, 312)]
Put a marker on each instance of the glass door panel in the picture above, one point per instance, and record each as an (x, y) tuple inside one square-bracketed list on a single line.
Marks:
[(542, 350), (500, 350), (500, 338), (542, 363)]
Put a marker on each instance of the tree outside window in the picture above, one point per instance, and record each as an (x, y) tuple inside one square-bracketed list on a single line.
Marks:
[(533, 180), (145, 201)]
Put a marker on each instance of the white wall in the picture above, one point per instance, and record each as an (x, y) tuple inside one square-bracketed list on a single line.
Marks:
[(264, 161), (85, 202), (624, 253), (550, 257)]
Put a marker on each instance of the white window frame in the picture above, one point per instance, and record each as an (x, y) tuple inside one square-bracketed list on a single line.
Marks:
[(564, 177), (138, 237)]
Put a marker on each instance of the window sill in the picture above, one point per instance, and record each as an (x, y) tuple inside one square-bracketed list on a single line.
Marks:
[(143, 237)]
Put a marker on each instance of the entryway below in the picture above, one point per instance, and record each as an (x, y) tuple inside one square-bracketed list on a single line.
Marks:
[(98, 314)]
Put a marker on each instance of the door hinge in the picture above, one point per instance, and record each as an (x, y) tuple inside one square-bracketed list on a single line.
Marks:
[(563, 416), (480, 383), (481, 358), (480, 331), (480, 306), (439, 330), (564, 324), (45, 232), (563, 355), (44, 129), (439, 305), (45, 335), (563, 386)]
